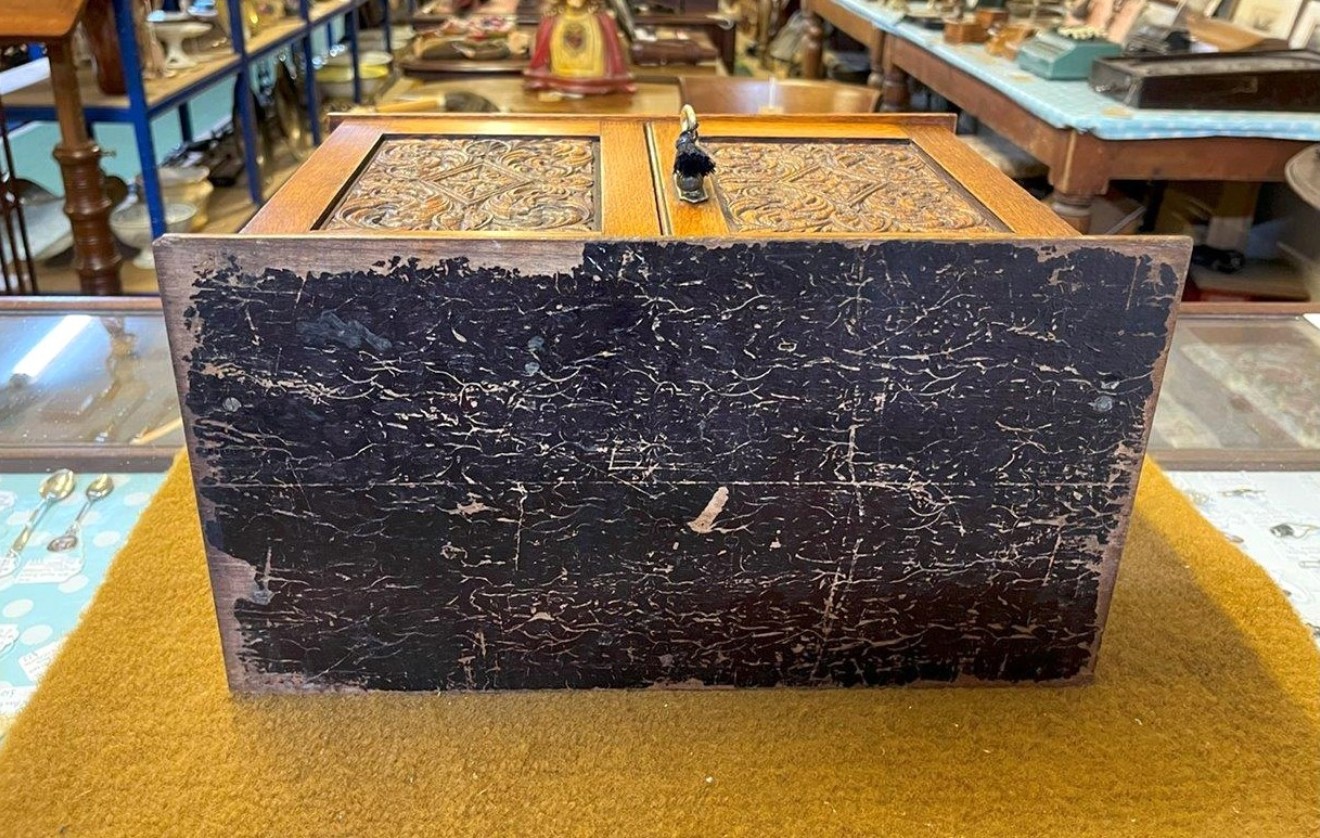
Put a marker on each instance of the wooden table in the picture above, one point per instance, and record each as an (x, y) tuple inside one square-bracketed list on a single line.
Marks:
[(1081, 164), (850, 23), (719, 28), (445, 69), (509, 95), (442, 69)]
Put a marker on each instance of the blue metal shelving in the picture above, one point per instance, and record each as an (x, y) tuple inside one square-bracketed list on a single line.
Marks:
[(140, 106)]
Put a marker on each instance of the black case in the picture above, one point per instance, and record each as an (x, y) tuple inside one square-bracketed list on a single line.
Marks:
[(1261, 81)]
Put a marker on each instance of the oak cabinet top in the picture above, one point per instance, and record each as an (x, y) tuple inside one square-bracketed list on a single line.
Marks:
[(874, 176)]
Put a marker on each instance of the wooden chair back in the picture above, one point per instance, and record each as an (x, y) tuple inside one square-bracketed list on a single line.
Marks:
[(716, 94)]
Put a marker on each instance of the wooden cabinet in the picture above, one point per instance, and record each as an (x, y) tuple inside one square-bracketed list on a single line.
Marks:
[(478, 403), (873, 175)]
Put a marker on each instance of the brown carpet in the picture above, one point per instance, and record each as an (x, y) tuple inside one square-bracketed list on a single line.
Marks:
[(1204, 720)]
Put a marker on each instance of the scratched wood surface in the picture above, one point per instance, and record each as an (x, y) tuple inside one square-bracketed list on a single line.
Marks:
[(661, 463)]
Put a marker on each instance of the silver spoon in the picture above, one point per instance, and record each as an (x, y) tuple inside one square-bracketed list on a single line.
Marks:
[(96, 490), (55, 488)]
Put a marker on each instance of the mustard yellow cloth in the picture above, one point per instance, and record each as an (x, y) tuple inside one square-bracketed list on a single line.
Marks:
[(1204, 720)]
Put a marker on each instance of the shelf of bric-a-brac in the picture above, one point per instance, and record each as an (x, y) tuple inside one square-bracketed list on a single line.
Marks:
[(147, 99)]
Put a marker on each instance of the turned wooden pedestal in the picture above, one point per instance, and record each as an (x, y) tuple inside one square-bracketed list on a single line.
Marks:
[(96, 257)]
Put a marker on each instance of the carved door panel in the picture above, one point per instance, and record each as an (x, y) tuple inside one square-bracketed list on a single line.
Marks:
[(462, 178), (419, 184), (842, 180)]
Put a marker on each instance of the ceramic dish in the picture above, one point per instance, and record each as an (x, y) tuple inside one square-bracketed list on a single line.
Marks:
[(374, 39), (172, 34), (336, 80), (366, 58), (132, 224), (187, 185)]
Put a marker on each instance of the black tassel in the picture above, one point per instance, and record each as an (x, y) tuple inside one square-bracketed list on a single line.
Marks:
[(691, 160)]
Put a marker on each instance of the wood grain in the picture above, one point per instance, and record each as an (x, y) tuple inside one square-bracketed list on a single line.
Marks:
[(52, 20), (626, 181), (1022, 213), (509, 94), (640, 198), (709, 95), (96, 253), (299, 205)]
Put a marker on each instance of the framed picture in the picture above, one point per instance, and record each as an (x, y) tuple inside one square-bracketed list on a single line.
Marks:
[(1170, 13), (1115, 18), (1200, 7), (1275, 18), (1306, 34)]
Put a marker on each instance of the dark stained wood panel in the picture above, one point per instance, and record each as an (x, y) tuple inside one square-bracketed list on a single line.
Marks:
[(625, 464)]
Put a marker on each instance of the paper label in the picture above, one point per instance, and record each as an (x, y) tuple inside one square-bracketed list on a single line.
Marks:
[(35, 663), (13, 698), (52, 567)]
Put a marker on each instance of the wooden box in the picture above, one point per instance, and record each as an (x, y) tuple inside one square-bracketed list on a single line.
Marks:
[(1255, 81), (478, 403), (965, 31)]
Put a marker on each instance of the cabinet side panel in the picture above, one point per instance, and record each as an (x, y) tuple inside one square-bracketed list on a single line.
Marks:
[(625, 464)]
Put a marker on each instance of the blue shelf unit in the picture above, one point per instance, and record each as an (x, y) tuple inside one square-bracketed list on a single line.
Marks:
[(141, 105)]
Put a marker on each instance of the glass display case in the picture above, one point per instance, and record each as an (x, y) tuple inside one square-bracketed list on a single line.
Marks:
[(89, 423), (86, 383), (1241, 389), (1237, 429)]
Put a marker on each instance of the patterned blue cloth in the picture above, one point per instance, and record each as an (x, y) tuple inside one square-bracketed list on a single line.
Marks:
[(1071, 104), (42, 594)]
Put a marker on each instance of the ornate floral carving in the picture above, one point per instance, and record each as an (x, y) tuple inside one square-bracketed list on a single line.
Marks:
[(439, 183), (839, 187)]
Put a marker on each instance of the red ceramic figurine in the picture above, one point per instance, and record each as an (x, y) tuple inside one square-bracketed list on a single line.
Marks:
[(577, 51)]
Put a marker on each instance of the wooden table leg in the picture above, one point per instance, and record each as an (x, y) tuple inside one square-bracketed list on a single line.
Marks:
[(1074, 209), (726, 40), (894, 85), (1079, 176), (876, 52), (95, 257), (813, 46), (897, 97)]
